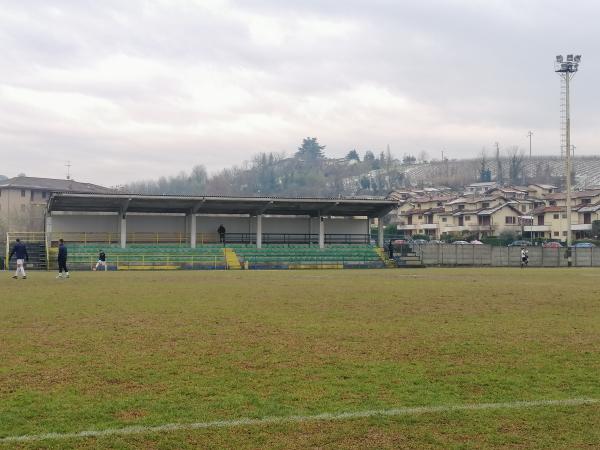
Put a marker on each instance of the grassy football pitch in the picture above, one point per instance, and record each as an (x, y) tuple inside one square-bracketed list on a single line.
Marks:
[(112, 351)]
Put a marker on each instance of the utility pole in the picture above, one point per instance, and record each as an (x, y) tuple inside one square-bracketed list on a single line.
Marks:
[(499, 174), (566, 70), (68, 166), (529, 135)]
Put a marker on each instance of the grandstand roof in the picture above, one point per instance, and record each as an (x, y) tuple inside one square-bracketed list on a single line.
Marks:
[(219, 205)]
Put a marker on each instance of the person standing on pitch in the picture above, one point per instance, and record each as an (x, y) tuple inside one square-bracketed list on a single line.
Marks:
[(62, 259), (524, 257), (101, 261), (20, 251)]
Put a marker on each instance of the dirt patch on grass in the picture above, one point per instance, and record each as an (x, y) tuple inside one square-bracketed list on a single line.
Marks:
[(131, 415)]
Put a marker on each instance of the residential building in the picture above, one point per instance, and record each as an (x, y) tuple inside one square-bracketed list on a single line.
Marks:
[(536, 211), (480, 188), (23, 200)]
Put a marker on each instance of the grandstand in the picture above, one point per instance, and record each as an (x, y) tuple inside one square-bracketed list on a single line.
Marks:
[(140, 232)]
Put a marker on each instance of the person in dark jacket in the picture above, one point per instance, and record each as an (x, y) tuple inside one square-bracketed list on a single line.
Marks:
[(391, 249), (101, 261), (20, 252), (62, 259), (221, 231)]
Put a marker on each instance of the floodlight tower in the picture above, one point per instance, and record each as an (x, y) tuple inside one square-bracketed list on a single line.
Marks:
[(566, 70)]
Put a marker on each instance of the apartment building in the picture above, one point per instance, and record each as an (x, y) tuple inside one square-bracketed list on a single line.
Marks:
[(537, 211), (483, 216), (23, 200)]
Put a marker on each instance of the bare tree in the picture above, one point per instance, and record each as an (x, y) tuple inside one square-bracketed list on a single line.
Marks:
[(516, 165)]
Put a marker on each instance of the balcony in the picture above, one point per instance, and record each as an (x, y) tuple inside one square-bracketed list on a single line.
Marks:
[(407, 227), (430, 226), (459, 228), (536, 228), (581, 227)]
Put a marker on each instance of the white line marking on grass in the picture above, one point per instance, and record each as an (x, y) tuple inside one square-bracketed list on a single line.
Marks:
[(297, 419)]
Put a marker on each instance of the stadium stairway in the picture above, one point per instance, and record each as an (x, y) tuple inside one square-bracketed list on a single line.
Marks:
[(409, 260), (389, 263), (215, 256), (231, 258), (37, 257)]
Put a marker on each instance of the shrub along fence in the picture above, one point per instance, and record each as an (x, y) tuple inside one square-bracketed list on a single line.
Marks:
[(487, 255)]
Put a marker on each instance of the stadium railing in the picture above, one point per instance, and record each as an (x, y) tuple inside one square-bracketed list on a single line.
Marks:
[(182, 239)]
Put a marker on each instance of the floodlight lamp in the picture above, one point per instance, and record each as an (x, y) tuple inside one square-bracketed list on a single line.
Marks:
[(570, 58), (577, 58), (559, 58)]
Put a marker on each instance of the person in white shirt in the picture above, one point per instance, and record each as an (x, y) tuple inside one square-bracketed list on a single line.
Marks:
[(524, 257)]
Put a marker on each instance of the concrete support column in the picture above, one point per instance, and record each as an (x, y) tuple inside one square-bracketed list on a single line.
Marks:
[(259, 231), (321, 232), (123, 230), (48, 229), (48, 223), (192, 230), (380, 232), (368, 230)]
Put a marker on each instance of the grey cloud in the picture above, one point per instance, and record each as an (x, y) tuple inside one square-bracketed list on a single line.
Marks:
[(474, 72)]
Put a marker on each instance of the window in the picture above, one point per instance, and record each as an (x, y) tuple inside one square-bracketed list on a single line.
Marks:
[(552, 203), (555, 216), (444, 219), (31, 195), (44, 194), (556, 233), (461, 207), (564, 216), (22, 192), (439, 203), (420, 217), (510, 220), (467, 217), (564, 233), (523, 208), (586, 201), (485, 205)]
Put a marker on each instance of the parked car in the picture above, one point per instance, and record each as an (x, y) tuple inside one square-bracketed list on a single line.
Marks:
[(520, 244), (584, 245), (435, 241), (460, 243), (476, 242), (399, 242), (420, 241), (552, 245)]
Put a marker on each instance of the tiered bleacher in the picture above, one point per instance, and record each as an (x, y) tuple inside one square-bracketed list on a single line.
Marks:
[(217, 256), (290, 256), (146, 256)]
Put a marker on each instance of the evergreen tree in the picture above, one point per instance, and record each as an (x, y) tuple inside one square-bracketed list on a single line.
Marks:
[(310, 150), (353, 155)]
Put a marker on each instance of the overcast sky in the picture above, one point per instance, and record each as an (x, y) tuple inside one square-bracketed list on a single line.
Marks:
[(136, 89)]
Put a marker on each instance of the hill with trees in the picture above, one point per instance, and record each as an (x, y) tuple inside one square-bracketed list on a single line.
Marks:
[(309, 172)]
